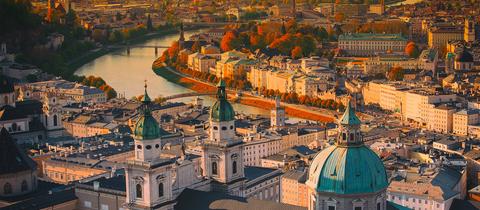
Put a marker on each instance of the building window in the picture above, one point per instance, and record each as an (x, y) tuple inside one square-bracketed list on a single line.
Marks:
[(6, 99), (215, 128), (160, 190), (379, 206), (157, 146), (55, 120), (24, 186), (231, 127), (139, 190), (7, 188), (139, 146), (331, 207), (234, 167), (148, 147), (104, 207), (224, 128), (87, 204), (214, 168), (358, 208), (46, 120)]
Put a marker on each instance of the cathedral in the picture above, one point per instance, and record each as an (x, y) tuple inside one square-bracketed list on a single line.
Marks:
[(345, 176), (154, 181), (28, 121)]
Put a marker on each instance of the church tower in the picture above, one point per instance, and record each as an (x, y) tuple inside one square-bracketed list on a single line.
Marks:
[(277, 115), (222, 158), (148, 177), (469, 30), (52, 116)]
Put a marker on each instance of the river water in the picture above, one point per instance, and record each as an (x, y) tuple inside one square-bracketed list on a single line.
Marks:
[(126, 73)]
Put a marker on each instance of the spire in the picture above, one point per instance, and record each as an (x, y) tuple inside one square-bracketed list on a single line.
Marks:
[(349, 117), (146, 99), (221, 92)]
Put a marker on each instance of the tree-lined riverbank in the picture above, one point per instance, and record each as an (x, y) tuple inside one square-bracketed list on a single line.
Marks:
[(299, 111)]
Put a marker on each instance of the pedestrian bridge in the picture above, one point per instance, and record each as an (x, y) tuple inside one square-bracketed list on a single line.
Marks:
[(186, 95)]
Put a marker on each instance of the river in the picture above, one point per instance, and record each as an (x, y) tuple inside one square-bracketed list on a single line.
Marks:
[(126, 73)]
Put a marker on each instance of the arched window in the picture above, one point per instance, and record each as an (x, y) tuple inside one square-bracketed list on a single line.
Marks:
[(379, 206), (55, 120), (139, 190), (352, 137), (344, 136), (7, 188), (24, 186), (160, 189), (14, 126), (234, 167), (6, 99), (46, 120), (214, 168)]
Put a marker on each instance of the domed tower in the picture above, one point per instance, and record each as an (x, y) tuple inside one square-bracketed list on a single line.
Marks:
[(463, 61), (222, 117), (222, 157), (148, 176), (347, 175), (147, 133), (7, 92)]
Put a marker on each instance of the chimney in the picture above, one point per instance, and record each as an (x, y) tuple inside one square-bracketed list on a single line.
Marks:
[(96, 185)]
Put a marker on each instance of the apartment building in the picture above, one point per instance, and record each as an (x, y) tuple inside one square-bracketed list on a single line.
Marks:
[(439, 36), (464, 119), (294, 189), (441, 118), (430, 189)]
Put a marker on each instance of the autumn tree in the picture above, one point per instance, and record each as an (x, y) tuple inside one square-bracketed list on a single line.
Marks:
[(395, 74), (339, 17), (230, 41), (297, 52), (412, 50)]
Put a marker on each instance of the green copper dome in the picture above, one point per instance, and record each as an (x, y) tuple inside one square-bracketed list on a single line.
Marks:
[(222, 110), (347, 170), (146, 127)]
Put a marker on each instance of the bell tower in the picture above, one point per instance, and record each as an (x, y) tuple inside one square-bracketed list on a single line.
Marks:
[(469, 30), (277, 115), (148, 176), (222, 158), (349, 128), (52, 116)]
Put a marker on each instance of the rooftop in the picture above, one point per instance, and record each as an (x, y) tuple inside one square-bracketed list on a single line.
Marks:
[(371, 37), (199, 200)]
